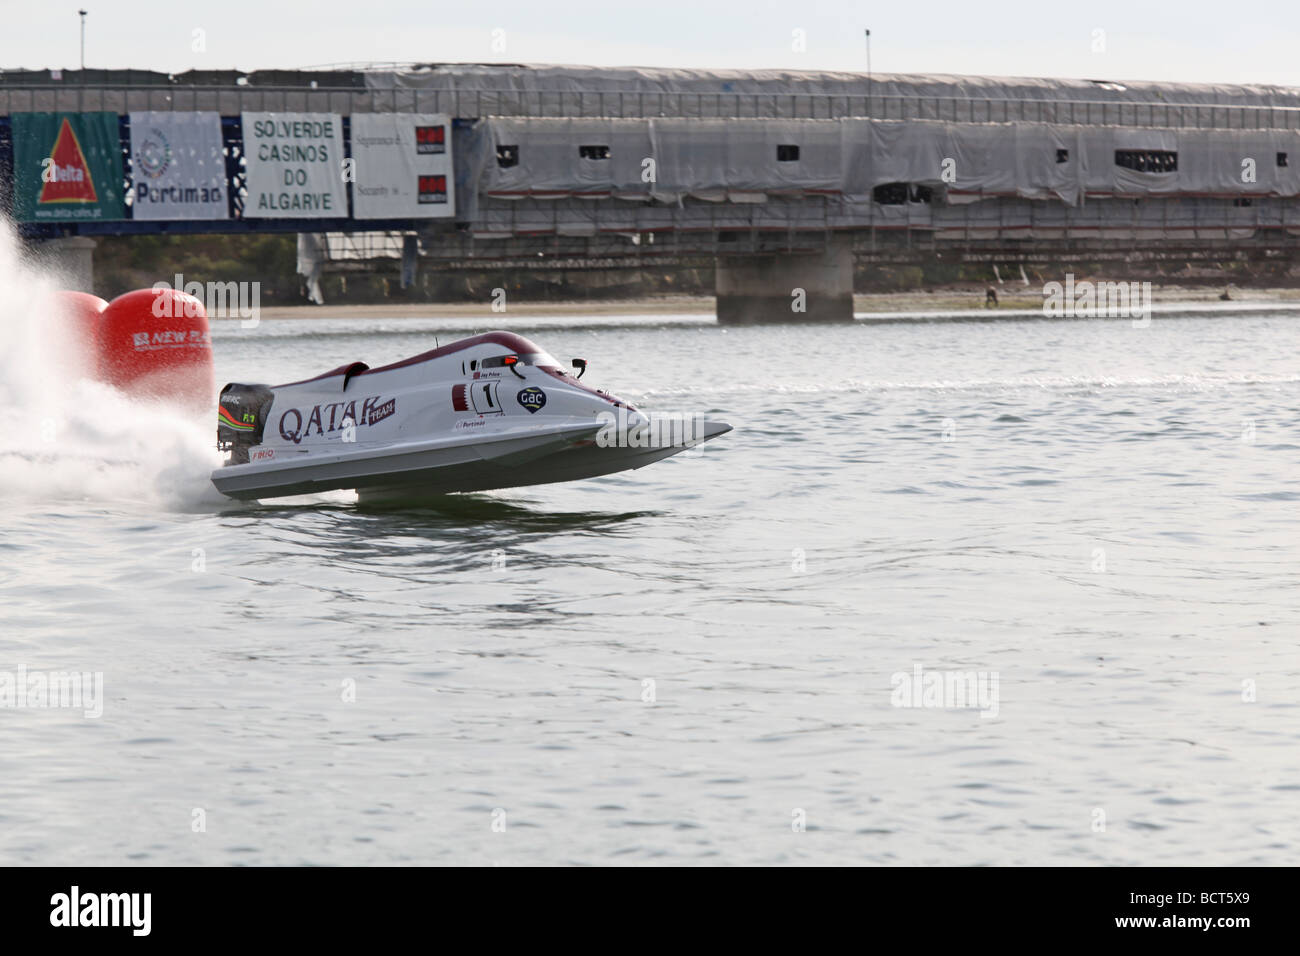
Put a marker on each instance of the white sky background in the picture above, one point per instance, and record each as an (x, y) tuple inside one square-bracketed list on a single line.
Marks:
[(1187, 40)]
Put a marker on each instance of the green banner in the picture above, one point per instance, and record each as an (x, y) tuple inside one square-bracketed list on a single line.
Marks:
[(67, 167)]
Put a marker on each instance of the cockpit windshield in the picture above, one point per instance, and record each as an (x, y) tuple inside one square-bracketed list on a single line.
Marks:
[(540, 359)]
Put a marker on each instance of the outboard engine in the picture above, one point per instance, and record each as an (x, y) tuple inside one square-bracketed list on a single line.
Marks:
[(241, 419)]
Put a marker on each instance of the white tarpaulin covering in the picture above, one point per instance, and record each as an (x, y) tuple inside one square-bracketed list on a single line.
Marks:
[(744, 161), (177, 169), (551, 157), (403, 166), (1193, 217), (717, 156), (295, 166)]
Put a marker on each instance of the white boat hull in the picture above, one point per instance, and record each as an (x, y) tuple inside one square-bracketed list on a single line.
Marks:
[(474, 438)]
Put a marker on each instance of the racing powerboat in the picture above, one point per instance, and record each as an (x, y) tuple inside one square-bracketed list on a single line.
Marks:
[(490, 411)]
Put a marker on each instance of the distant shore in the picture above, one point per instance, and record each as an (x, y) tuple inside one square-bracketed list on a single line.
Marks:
[(1011, 297), (660, 305)]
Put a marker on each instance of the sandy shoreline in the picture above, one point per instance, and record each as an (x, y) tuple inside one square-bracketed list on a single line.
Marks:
[(943, 300), (683, 305)]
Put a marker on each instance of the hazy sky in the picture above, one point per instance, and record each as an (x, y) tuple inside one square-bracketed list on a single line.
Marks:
[(1191, 40)]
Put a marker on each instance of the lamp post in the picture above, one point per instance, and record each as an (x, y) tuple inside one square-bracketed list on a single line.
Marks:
[(868, 33), (82, 14)]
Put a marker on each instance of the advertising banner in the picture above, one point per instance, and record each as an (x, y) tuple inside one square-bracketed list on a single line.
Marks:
[(67, 167), (403, 166), (177, 170), (295, 166)]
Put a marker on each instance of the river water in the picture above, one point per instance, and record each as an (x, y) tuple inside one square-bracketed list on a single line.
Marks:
[(702, 662)]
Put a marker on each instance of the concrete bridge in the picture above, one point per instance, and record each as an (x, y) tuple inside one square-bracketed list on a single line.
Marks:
[(783, 179)]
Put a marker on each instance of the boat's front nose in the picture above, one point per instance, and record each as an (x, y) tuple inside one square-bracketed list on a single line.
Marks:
[(713, 429), (669, 432)]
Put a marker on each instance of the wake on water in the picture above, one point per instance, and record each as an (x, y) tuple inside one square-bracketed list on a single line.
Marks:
[(64, 437)]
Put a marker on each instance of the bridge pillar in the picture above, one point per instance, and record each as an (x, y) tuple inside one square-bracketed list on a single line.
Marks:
[(410, 260), (313, 250), (808, 287), (71, 259)]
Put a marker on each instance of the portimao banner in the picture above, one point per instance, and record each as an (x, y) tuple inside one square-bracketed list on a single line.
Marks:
[(403, 166), (295, 166), (67, 167), (177, 169)]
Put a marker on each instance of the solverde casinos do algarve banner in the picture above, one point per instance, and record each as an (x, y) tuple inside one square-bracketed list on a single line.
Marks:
[(294, 166), (67, 167)]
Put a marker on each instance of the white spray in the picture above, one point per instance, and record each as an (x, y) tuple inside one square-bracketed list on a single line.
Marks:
[(63, 437)]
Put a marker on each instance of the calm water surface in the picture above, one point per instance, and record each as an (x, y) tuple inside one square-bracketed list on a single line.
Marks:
[(1104, 517)]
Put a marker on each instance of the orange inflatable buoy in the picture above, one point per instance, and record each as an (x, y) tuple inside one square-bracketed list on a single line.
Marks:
[(155, 343)]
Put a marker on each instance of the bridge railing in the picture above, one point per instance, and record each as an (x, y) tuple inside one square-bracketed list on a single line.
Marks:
[(643, 104)]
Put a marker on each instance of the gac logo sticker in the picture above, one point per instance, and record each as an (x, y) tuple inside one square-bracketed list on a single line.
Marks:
[(532, 398)]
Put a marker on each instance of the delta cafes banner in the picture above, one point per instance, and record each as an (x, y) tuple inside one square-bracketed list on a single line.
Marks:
[(295, 166), (67, 167), (177, 170), (403, 166)]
